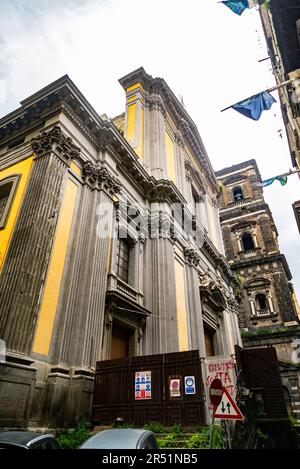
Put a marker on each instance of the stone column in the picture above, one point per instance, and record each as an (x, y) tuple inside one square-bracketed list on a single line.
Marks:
[(197, 340), (82, 320), (270, 303), (155, 134), (252, 305), (161, 332), (26, 265)]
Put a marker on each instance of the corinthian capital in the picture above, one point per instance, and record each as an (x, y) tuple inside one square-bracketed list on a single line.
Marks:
[(100, 178), (55, 141), (192, 256)]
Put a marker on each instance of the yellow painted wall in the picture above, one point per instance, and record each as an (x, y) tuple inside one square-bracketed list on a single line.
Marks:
[(181, 307), (23, 169), (74, 167), (131, 122), (132, 126), (132, 98), (134, 87), (295, 300), (46, 320), (170, 149), (139, 148)]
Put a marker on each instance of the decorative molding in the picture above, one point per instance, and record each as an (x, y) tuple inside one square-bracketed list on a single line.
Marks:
[(55, 141), (155, 103), (100, 178), (192, 257), (179, 139), (192, 174)]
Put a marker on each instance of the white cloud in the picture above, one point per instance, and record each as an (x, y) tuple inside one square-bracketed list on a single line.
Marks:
[(205, 53)]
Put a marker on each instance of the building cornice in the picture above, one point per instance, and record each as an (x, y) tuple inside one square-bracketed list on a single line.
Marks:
[(238, 265)]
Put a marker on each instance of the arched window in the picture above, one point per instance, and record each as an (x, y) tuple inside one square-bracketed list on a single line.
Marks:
[(247, 241), (238, 194), (261, 303)]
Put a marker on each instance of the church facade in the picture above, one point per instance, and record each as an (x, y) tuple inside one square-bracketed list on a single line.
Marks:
[(110, 245)]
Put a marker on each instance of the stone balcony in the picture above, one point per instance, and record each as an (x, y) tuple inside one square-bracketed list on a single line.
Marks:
[(116, 284)]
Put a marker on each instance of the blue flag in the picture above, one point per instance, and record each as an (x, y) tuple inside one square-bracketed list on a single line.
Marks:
[(282, 179), (237, 6), (254, 106)]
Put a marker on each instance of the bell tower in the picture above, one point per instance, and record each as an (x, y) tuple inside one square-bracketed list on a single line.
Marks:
[(251, 247)]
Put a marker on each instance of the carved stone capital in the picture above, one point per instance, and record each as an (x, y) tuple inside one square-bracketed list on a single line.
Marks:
[(205, 280), (192, 257), (179, 139), (100, 178), (155, 103), (55, 141)]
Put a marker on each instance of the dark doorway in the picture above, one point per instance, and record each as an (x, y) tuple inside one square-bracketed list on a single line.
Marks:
[(119, 342), (209, 342)]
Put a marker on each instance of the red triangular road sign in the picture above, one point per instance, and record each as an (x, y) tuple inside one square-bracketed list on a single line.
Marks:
[(227, 409)]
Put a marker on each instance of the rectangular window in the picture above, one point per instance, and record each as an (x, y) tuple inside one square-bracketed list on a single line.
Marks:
[(7, 191), (123, 259)]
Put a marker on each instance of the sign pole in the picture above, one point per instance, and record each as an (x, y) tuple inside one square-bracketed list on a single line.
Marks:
[(228, 434), (212, 429)]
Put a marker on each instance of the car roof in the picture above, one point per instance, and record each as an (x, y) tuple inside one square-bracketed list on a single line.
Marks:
[(117, 438), (20, 438)]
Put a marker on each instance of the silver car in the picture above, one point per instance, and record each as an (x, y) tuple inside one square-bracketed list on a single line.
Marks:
[(121, 438), (27, 440)]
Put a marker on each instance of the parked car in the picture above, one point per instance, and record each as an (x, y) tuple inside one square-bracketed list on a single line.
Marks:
[(27, 440), (121, 438)]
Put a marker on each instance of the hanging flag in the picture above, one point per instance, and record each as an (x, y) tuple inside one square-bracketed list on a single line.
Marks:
[(237, 6), (221, 187), (282, 179), (254, 106)]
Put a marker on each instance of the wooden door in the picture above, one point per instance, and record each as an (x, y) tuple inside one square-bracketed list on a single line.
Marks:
[(119, 343), (209, 342)]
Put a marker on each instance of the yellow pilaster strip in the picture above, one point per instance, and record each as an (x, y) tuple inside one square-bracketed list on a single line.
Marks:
[(139, 149), (134, 87), (46, 320), (131, 123), (181, 307), (170, 149)]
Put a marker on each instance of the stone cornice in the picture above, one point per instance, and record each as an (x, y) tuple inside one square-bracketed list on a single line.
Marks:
[(54, 141), (263, 260), (237, 210)]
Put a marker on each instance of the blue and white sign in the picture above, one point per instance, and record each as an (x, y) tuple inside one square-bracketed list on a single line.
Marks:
[(189, 385)]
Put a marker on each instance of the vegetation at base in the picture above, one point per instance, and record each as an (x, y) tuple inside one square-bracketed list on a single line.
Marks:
[(201, 440), (155, 427), (72, 439), (176, 438)]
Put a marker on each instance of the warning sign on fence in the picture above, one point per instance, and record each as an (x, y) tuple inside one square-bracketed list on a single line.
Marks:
[(142, 385)]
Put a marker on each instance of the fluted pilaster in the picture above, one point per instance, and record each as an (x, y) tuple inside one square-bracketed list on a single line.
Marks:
[(26, 264)]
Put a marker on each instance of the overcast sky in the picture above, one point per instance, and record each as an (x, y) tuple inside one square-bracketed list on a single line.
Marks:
[(205, 52)]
